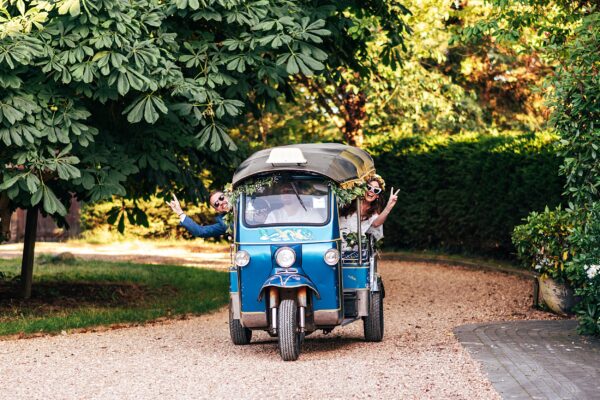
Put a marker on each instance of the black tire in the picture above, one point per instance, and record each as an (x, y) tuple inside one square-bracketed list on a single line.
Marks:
[(373, 323), (287, 329), (239, 335)]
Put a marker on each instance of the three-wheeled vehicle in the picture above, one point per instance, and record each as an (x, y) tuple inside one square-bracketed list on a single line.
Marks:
[(289, 277)]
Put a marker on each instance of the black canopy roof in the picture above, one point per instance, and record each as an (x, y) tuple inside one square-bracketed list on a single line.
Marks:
[(338, 162)]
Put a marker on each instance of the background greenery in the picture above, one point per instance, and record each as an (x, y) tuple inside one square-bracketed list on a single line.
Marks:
[(465, 193)]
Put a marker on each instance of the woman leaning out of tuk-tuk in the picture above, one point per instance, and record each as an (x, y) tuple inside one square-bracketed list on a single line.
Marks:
[(373, 212)]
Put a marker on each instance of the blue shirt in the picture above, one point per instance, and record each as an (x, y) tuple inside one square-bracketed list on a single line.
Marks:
[(205, 231)]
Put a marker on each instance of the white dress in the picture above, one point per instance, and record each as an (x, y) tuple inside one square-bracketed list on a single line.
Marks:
[(350, 224)]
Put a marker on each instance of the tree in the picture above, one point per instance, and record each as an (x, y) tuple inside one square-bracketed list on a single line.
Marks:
[(110, 97), (443, 84), (114, 97), (364, 34)]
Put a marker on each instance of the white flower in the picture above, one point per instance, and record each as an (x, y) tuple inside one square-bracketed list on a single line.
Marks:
[(592, 271), (538, 267)]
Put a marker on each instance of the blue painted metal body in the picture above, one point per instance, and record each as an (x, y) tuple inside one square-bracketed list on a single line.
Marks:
[(327, 283)]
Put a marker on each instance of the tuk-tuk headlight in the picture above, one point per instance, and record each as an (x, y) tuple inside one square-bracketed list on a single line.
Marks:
[(242, 258), (332, 256), (285, 257)]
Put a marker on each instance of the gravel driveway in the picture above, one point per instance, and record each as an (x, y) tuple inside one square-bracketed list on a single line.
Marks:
[(419, 357)]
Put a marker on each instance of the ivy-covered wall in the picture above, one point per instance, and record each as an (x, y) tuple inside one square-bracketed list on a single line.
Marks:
[(466, 193)]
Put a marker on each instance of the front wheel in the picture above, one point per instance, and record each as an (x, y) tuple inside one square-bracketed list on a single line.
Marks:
[(373, 323), (239, 334), (287, 329)]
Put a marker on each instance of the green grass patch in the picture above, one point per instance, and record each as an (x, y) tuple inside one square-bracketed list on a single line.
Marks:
[(74, 294)]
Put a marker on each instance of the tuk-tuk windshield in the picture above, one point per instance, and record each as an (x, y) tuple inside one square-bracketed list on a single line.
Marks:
[(288, 202)]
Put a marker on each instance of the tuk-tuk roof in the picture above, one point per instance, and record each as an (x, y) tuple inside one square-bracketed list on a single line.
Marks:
[(341, 163)]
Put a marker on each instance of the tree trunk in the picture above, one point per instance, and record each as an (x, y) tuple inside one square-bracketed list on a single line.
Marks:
[(354, 117), (5, 214), (28, 252)]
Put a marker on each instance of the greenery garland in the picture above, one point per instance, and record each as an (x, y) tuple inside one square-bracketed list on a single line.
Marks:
[(257, 185), (344, 193)]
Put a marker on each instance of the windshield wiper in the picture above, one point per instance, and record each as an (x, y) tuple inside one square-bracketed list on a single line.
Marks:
[(298, 196)]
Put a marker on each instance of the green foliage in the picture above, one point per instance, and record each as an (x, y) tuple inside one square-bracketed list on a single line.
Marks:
[(584, 269), (142, 219), (576, 116), (442, 86), (345, 195), (567, 35), (466, 193), (123, 98), (542, 242), (576, 102)]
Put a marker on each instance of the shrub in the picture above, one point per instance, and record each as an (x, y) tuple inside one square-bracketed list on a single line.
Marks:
[(542, 242), (466, 193), (584, 270)]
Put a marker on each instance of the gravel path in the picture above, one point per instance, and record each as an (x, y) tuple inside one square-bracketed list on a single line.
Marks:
[(419, 357)]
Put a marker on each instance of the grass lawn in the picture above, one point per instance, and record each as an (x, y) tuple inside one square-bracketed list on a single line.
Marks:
[(73, 294)]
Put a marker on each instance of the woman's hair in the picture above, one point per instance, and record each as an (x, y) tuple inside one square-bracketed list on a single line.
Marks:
[(374, 207)]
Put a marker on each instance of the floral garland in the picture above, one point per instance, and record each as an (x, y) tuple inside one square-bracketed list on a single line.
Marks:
[(345, 193), (348, 192)]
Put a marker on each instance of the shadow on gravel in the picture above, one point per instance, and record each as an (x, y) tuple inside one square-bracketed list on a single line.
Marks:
[(316, 344)]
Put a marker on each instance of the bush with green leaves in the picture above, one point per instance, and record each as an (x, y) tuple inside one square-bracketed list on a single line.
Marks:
[(542, 242), (466, 193), (567, 35), (584, 269)]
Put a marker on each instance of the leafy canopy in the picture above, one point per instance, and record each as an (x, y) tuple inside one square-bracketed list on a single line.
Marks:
[(110, 97)]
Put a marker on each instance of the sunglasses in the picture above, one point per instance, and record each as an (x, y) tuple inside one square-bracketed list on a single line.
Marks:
[(373, 189), (218, 202)]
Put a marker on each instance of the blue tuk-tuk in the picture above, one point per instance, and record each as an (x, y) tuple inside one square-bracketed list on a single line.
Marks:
[(289, 277)]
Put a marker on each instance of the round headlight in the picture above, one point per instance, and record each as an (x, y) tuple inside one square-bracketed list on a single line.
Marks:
[(285, 257), (242, 258), (332, 256)]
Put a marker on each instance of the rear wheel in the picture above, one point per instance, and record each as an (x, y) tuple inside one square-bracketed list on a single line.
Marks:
[(373, 323), (239, 334), (287, 329)]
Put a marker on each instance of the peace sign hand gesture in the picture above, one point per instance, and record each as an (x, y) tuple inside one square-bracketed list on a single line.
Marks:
[(393, 198)]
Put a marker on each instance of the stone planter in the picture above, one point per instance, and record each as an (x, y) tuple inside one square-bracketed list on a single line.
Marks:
[(559, 297)]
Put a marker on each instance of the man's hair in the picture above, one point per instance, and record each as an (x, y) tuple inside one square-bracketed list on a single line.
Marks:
[(212, 194)]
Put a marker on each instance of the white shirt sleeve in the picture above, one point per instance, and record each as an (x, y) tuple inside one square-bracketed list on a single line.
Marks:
[(181, 217), (377, 232)]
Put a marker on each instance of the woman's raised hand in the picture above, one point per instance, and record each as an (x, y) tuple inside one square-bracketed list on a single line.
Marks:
[(175, 206), (393, 198)]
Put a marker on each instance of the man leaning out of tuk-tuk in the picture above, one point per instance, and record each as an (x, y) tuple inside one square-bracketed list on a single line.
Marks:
[(219, 202)]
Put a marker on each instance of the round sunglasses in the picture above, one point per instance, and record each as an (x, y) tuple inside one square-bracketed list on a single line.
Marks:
[(218, 202)]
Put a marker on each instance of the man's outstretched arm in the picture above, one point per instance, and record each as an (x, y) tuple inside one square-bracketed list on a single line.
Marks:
[(204, 231)]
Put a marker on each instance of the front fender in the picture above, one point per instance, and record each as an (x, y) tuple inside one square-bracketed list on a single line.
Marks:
[(288, 281)]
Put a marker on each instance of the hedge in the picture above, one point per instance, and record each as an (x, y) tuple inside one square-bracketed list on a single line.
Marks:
[(466, 193)]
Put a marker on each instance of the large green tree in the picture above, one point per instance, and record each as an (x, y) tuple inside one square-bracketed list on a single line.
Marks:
[(114, 97)]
